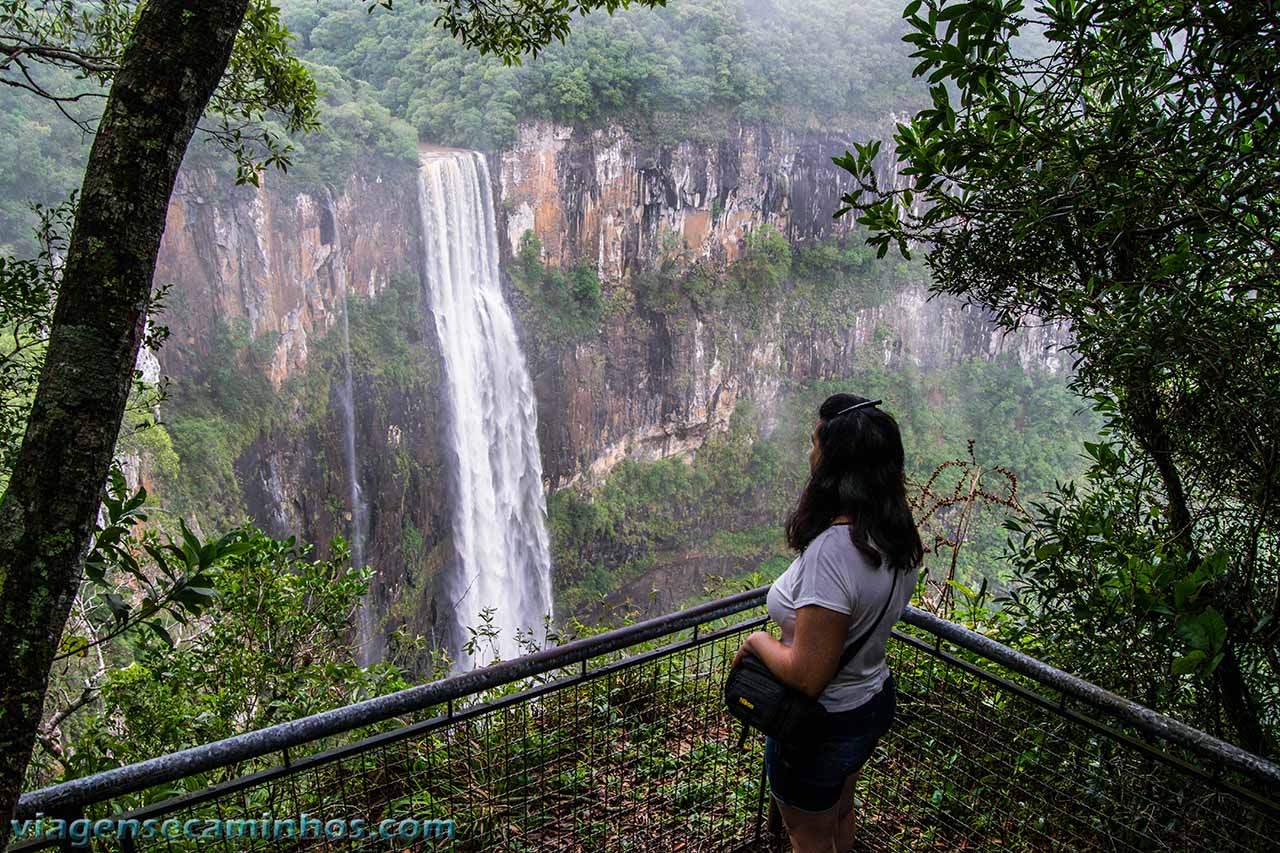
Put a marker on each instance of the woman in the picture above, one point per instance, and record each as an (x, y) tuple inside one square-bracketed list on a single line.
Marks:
[(859, 550)]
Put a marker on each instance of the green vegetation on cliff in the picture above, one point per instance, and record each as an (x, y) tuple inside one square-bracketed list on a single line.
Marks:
[(560, 308), (817, 287), (228, 404), (42, 153), (357, 135), (42, 157), (729, 502), (213, 416)]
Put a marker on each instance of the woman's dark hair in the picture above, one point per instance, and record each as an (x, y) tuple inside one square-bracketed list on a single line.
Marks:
[(859, 474)]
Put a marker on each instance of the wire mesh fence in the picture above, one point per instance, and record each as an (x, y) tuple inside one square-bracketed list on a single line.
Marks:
[(632, 751), (977, 761)]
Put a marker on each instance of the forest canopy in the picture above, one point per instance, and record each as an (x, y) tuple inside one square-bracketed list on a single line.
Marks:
[(1123, 177), (686, 71)]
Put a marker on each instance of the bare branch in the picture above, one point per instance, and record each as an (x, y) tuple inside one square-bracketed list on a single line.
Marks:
[(12, 47)]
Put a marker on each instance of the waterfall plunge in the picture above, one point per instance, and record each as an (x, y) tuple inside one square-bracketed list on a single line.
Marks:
[(369, 646), (499, 526)]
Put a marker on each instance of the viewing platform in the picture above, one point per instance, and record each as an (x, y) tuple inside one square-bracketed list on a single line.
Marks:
[(620, 742)]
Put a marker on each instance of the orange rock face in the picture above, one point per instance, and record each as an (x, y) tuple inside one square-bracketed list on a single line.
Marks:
[(607, 197), (266, 259)]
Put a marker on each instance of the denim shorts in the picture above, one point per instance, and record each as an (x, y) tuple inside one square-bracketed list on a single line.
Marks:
[(811, 777)]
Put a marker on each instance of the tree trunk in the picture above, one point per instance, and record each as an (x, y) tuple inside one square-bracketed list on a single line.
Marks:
[(169, 71), (1238, 701)]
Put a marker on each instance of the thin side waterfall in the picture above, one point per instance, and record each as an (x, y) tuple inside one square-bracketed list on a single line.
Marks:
[(368, 643), (503, 555)]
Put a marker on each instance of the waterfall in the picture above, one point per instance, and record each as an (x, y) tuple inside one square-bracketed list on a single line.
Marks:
[(368, 643), (500, 537)]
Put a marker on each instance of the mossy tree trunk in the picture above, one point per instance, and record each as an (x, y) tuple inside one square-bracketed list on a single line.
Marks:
[(168, 73)]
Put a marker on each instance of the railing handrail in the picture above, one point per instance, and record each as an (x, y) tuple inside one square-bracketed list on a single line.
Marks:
[(67, 797), (1140, 717), (109, 784)]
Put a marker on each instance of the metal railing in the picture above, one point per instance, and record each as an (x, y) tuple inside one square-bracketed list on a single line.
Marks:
[(620, 742)]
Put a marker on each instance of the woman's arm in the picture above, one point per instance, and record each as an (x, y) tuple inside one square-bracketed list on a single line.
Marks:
[(809, 663)]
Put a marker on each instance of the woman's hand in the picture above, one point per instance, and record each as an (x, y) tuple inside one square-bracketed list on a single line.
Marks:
[(746, 647)]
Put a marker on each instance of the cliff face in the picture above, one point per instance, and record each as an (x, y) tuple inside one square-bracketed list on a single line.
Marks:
[(275, 262), (605, 197), (656, 385), (650, 385), (295, 483), (263, 256)]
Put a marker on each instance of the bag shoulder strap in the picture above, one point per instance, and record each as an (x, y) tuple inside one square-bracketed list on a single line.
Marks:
[(856, 646)]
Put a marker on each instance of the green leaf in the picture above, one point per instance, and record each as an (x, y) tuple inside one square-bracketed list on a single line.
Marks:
[(1048, 551), (118, 606), (190, 544), (1206, 631), (160, 632), (74, 645), (1188, 663), (195, 597)]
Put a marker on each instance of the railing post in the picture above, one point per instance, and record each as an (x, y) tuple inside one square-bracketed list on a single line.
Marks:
[(67, 843), (764, 783)]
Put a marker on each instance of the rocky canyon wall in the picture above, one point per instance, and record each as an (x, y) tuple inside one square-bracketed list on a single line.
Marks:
[(650, 385), (656, 385), (274, 261), (610, 198), (263, 256)]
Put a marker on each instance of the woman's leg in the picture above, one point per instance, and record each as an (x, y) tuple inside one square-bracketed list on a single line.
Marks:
[(844, 816), (811, 832), (823, 831)]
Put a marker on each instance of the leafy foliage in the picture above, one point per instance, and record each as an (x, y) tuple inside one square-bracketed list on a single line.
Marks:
[(509, 30), (272, 110), (41, 164), (563, 307), (139, 584), (1098, 572), (28, 290), (354, 134), (176, 582), (687, 71), (67, 52), (1116, 167), (274, 647)]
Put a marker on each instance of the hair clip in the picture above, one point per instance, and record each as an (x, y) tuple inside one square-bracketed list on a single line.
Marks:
[(857, 406)]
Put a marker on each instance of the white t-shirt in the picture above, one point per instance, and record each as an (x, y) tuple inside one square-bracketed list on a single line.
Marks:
[(832, 573)]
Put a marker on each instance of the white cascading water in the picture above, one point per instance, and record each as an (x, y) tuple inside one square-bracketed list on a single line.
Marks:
[(499, 514), (368, 645)]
